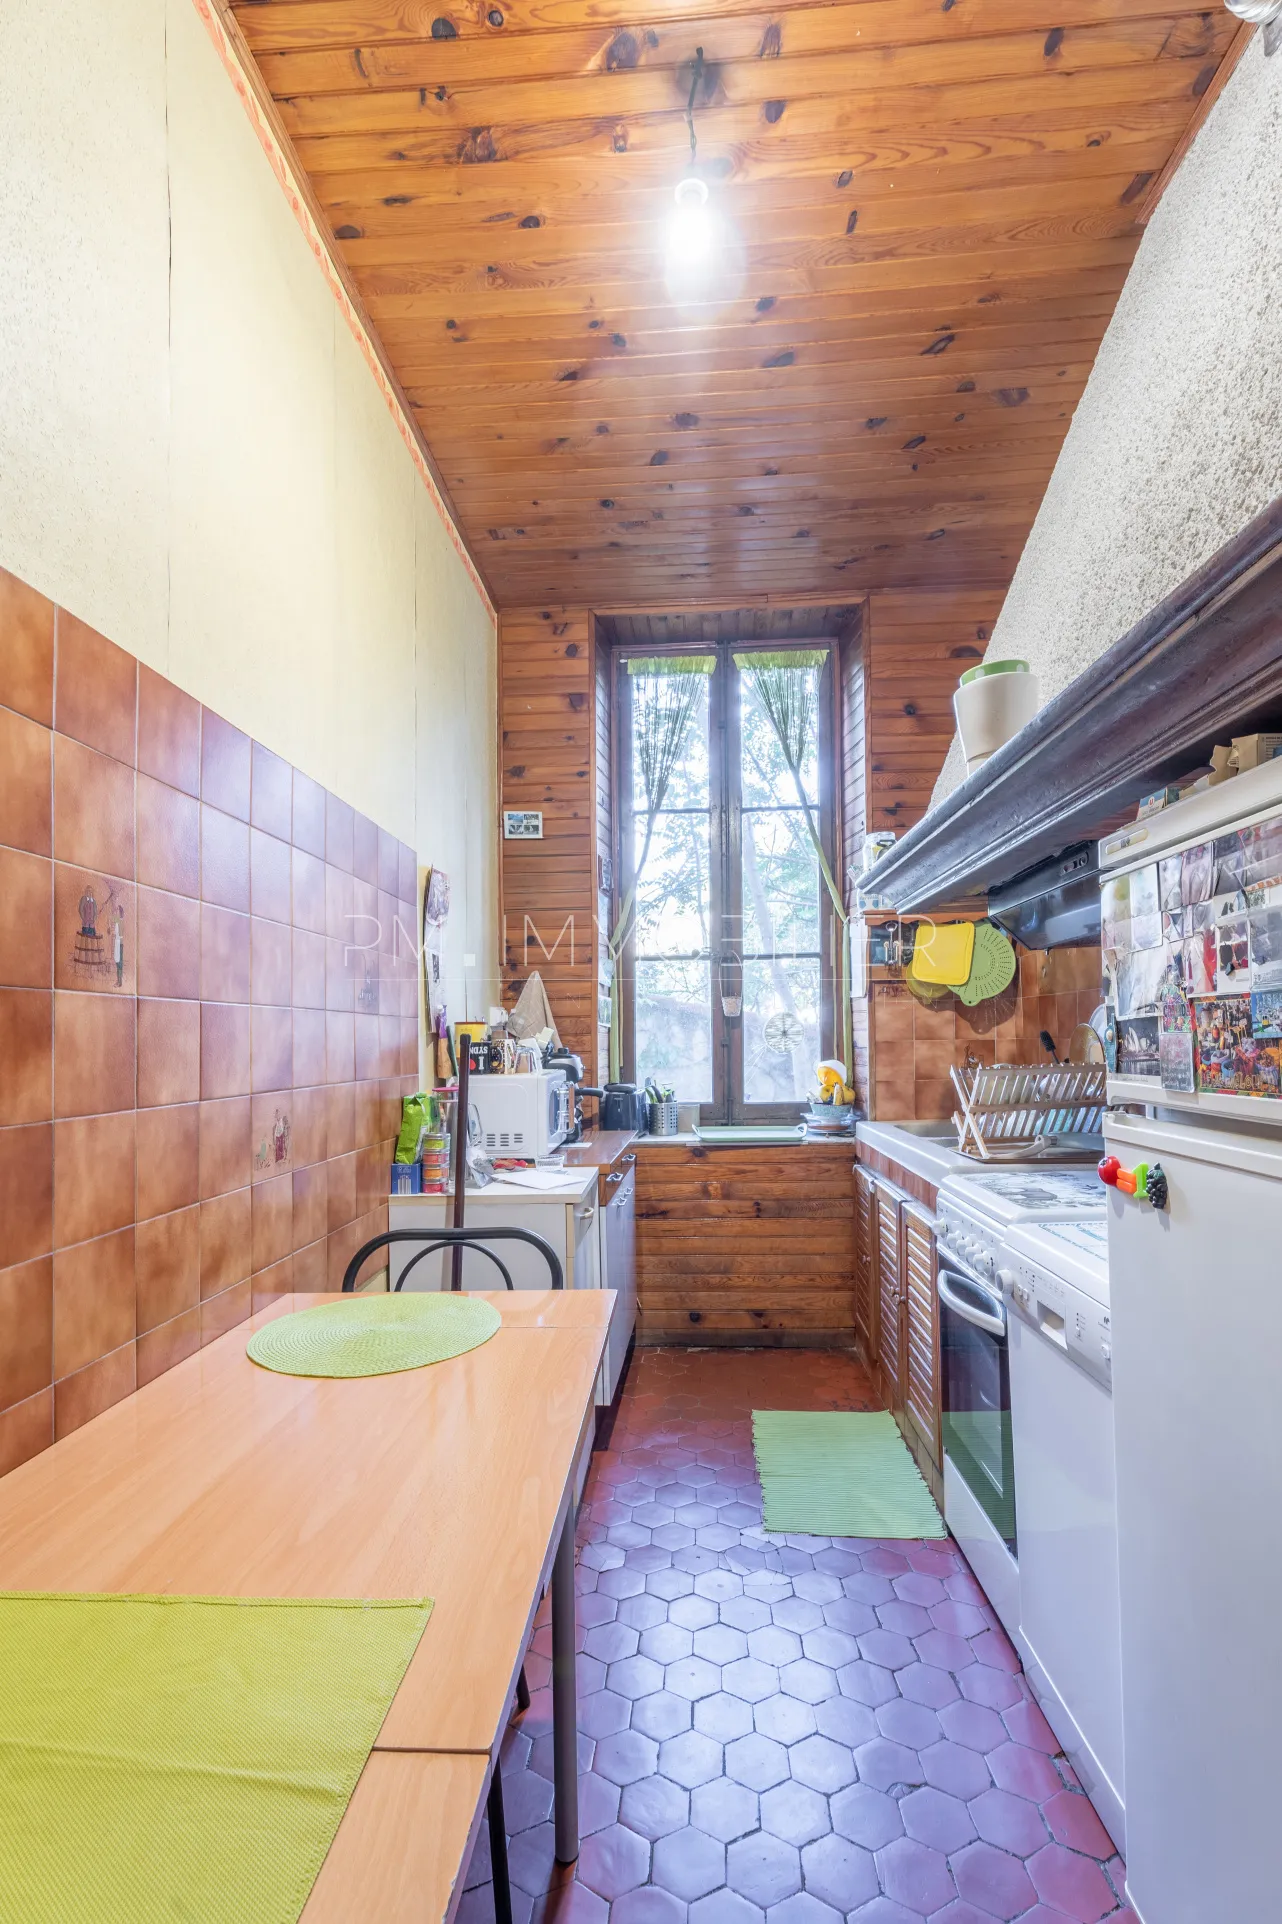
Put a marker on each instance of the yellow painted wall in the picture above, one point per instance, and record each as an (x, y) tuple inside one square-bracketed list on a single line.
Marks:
[(195, 458)]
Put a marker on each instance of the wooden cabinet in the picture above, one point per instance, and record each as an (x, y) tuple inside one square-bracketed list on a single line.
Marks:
[(920, 1374), (890, 1294)]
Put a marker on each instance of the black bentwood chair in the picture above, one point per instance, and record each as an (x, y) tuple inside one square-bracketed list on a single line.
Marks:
[(432, 1240)]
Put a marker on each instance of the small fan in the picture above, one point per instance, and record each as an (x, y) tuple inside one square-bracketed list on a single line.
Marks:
[(783, 1032)]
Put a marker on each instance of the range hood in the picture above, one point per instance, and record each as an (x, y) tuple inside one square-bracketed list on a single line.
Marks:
[(1055, 905)]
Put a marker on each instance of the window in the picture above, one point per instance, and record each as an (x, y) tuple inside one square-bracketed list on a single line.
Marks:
[(726, 980)]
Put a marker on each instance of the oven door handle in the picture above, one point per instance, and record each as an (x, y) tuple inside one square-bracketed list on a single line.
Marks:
[(969, 1312)]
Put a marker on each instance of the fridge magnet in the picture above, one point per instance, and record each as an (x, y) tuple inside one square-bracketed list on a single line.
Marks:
[(1175, 1035), (1233, 956), (1138, 1046), (1115, 912), (1266, 948), (1230, 862), (1197, 871), (1266, 1015), (1199, 962), (1169, 870)]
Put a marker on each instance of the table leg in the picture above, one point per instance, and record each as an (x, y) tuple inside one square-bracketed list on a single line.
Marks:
[(565, 1710), (498, 1847)]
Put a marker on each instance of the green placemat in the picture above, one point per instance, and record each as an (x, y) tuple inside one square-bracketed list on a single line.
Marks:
[(840, 1473), (374, 1335), (183, 1758)]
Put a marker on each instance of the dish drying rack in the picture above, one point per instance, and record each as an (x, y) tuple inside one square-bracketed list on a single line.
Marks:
[(1012, 1109)]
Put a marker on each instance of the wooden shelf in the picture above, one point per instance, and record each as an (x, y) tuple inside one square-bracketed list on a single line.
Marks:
[(1204, 665)]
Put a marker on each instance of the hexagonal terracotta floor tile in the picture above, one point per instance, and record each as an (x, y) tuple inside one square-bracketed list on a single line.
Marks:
[(689, 1863)]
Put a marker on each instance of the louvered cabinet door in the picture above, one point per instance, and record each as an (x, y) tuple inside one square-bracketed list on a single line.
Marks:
[(890, 1337), (866, 1262), (921, 1327)]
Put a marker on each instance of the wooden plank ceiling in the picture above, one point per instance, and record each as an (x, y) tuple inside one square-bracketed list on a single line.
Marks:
[(700, 628), (937, 202)]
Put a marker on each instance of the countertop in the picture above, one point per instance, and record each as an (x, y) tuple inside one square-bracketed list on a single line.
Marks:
[(934, 1159), (600, 1149)]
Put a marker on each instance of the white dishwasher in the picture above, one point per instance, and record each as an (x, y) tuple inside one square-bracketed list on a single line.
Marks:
[(1055, 1278)]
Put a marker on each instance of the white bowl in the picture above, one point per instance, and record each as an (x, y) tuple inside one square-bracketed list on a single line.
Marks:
[(991, 708)]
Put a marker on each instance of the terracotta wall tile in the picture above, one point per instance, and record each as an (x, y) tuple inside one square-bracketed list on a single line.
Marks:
[(93, 1300), (272, 1128), (339, 896), (310, 1268), (168, 732), (341, 1183), (169, 944), (309, 969), (226, 1146), (309, 814), (26, 784), (79, 1398), (95, 1053), (93, 809), (169, 1046), (340, 1048), (225, 761), (407, 887), (161, 1348), (272, 1049), (389, 1045), (168, 1151), (26, 926), (308, 892), (268, 1284), (95, 937), (95, 1188), (26, 1193), (367, 1055), (26, 1057), (168, 844), (270, 961), (226, 1241), (25, 1430), (224, 1050), (340, 1119), (270, 863), (167, 1263), (311, 1204), (371, 1178), (26, 649), (309, 1047), (340, 987), (340, 821), (310, 1114), (409, 1047), (365, 849), (369, 1121), (224, 859), (273, 1221), (271, 793), (96, 690), (220, 1313), (26, 1320), (389, 863), (224, 955)]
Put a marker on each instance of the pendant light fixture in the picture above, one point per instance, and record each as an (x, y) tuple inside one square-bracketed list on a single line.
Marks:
[(701, 256)]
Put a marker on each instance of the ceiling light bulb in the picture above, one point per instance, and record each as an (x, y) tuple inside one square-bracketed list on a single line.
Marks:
[(690, 230)]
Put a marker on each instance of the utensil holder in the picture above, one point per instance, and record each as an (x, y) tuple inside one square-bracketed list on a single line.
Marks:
[(663, 1119)]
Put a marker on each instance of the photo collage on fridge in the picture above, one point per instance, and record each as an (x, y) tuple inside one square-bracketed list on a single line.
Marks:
[(1193, 966)]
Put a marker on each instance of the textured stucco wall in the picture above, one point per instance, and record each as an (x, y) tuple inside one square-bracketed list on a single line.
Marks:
[(194, 456), (1177, 441)]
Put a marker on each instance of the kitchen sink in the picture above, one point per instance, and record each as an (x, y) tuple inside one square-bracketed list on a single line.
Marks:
[(943, 1130)]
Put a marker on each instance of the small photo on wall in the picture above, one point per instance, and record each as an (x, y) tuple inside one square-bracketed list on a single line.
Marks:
[(1197, 872), (1266, 948), (1169, 871), (1233, 956), (1138, 1046), (1199, 962), (1266, 1015), (1230, 862)]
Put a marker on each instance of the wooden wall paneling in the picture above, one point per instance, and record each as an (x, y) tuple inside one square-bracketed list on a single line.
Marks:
[(603, 794), (921, 1372), (745, 1245), (936, 209)]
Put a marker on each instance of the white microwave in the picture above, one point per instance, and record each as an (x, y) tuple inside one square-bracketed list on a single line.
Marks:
[(522, 1115)]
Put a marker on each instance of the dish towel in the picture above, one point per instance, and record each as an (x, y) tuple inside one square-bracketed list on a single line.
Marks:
[(167, 1759)]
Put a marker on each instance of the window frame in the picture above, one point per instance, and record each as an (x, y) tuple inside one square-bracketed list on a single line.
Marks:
[(726, 852)]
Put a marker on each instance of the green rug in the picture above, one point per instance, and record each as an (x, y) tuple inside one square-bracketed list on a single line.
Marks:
[(840, 1473), (374, 1335), (183, 1758)]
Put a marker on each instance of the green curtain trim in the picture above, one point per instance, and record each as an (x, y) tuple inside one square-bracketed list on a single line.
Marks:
[(671, 664), (783, 658)]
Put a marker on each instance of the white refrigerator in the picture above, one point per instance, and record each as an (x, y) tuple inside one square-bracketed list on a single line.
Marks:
[(1196, 1285)]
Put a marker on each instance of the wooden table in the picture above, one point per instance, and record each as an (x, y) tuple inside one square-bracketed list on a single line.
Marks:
[(455, 1482)]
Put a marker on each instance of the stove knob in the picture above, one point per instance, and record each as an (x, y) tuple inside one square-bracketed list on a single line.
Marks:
[(1106, 1355), (1006, 1281), (984, 1263)]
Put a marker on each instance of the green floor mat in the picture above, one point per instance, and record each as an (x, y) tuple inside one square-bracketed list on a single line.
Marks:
[(183, 1758), (840, 1473), (374, 1335)]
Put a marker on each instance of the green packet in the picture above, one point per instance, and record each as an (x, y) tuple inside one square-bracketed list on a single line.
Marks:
[(418, 1114)]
